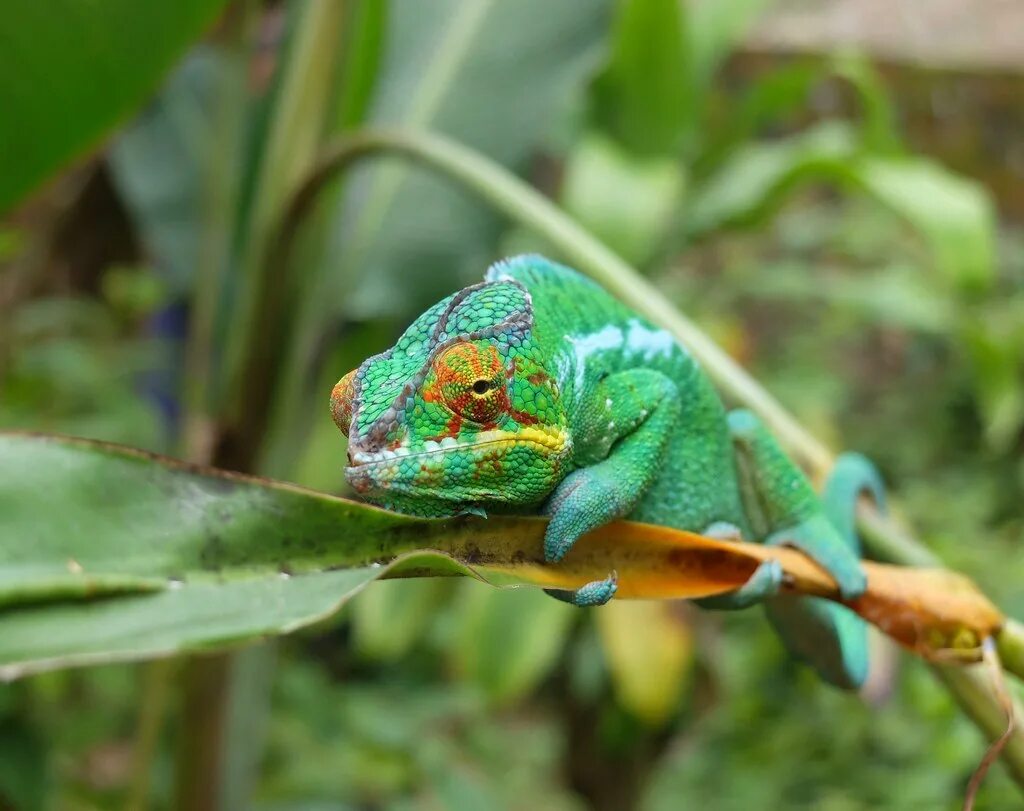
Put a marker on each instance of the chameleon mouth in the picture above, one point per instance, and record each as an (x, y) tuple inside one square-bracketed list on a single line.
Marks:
[(383, 469)]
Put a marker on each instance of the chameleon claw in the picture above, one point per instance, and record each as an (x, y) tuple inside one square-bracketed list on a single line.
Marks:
[(597, 592), (723, 531), (473, 509)]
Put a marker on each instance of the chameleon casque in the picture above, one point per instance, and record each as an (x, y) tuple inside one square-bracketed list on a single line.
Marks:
[(536, 390)]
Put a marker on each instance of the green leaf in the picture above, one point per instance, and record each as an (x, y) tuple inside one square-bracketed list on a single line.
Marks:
[(461, 71), (626, 200), (749, 185), (108, 553), (714, 29), (641, 98), (195, 558), (774, 96), (390, 617), (364, 48), (953, 215), (510, 640), (71, 69), (158, 164), (994, 339)]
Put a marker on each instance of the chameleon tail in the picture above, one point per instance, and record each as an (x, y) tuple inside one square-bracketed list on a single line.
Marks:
[(853, 475), (830, 637), (827, 636)]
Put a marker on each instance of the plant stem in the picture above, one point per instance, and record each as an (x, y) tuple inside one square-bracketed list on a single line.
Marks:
[(524, 205), (156, 684), (1010, 643), (206, 694), (219, 751)]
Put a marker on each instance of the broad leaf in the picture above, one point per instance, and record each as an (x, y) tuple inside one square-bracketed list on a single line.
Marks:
[(953, 215), (71, 69), (508, 641), (641, 97), (460, 71), (160, 161), (390, 617), (714, 29), (107, 553), (774, 97), (626, 200)]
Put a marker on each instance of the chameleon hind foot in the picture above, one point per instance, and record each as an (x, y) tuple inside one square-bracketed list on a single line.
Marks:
[(597, 592), (828, 637), (783, 506)]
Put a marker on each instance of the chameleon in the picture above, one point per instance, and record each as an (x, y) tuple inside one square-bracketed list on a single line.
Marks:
[(538, 391)]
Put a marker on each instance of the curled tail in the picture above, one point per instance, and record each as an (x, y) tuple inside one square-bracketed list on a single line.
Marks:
[(828, 636), (783, 509)]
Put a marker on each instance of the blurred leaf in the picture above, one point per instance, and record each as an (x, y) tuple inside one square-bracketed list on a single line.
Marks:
[(73, 369), (70, 69), (714, 28), (774, 95), (649, 647), (895, 295), (626, 201), (292, 121), (186, 559), (132, 292), (160, 164), (460, 790), (953, 215), (641, 97), (510, 640), (12, 242), (878, 117), (389, 618), (365, 26), (994, 339), (461, 71), (752, 181)]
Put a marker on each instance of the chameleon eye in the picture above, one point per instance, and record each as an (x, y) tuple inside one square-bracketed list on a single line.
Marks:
[(470, 380)]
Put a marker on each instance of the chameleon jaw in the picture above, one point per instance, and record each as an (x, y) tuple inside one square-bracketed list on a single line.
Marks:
[(389, 469)]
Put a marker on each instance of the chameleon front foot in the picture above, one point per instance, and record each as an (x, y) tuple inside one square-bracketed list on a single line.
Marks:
[(597, 592)]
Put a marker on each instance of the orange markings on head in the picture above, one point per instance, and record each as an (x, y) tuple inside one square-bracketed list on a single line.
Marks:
[(341, 401)]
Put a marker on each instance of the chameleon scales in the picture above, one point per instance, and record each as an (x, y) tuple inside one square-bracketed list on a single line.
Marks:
[(538, 390)]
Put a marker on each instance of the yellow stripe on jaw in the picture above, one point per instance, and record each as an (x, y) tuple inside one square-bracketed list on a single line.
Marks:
[(554, 438), (550, 438)]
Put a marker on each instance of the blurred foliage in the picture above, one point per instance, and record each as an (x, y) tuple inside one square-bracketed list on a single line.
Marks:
[(95, 67), (75, 364), (865, 286)]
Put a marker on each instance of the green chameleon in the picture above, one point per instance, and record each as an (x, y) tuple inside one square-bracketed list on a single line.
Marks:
[(537, 390)]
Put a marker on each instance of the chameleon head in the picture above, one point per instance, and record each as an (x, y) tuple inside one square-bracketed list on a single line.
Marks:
[(461, 412)]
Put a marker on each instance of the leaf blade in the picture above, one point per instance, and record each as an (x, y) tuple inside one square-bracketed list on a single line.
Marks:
[(96, 63)]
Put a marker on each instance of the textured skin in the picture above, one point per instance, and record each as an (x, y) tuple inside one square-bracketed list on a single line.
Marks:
[(537, 390)]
